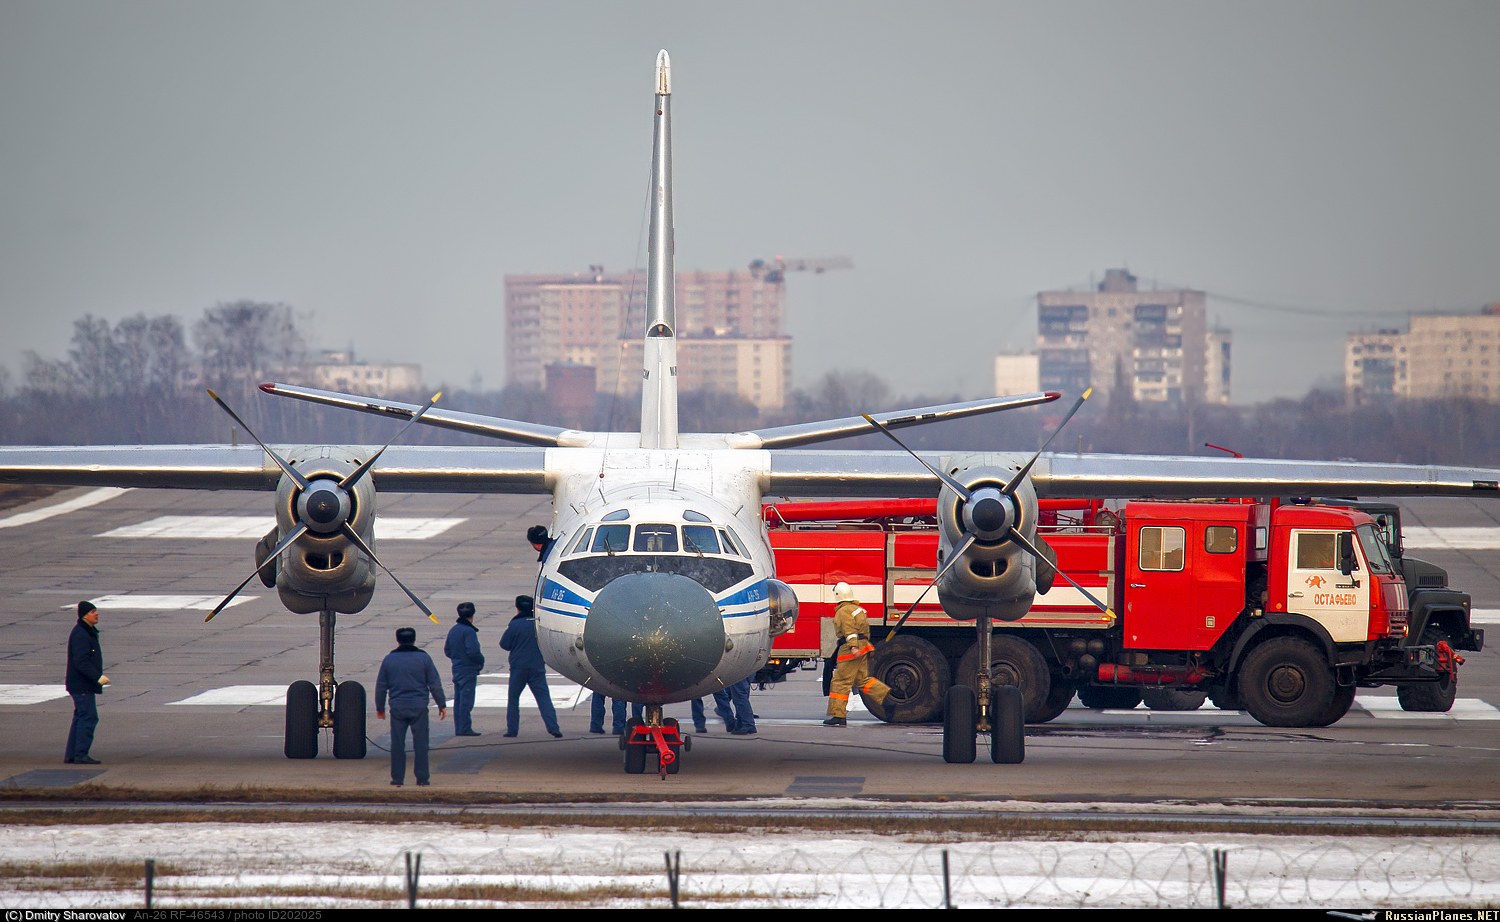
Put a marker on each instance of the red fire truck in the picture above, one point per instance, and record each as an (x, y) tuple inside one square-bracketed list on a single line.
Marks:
[(1282, 609)]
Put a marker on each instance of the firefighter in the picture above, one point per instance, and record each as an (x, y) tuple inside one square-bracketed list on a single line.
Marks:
[(853, 656)]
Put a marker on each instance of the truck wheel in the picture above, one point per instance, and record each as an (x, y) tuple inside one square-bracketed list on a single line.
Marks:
[(1058, 698), (1109, 697), (1013, 661), (1173, 699), (959, 725), (1343, 699), (1430, 696), (1286, 682), (1225, 698), (917, 674)]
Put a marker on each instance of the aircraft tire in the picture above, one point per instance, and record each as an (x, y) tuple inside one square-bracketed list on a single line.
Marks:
[(959, 739), (1109, 697), (1007, 725), (917, 674), (1430, 697), (301, 720), (349, 721), (635, 756), (1286, 682), (1013, 661), (1173, 699)]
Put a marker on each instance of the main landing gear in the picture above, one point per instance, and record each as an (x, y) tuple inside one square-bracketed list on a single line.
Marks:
[(328, 705), (654, 736), (999, 710)]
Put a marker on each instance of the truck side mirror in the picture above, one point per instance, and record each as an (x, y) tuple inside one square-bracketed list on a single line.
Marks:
[(1348, 563)]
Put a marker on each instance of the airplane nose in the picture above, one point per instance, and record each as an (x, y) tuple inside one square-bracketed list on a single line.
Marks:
[(654, 632)]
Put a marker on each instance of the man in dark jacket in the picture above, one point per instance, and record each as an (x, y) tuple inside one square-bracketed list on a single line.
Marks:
[(527, 669), (84, 680), (409, 676), (463, 651)]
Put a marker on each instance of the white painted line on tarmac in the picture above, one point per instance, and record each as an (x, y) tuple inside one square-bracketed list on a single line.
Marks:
[(126, 602), (1463, 709), (31, 694), (91, 498), (1484, 616), (191, 527), (565, 695), (1477, 538)]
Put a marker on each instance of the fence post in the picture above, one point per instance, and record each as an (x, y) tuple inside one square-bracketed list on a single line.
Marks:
[(150, 876), (947, 886), (412, 874), (674, 873), (1221, 867)]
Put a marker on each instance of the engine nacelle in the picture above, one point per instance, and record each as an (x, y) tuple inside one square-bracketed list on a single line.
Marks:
[(783, 603), (323, 569), (996, 576)]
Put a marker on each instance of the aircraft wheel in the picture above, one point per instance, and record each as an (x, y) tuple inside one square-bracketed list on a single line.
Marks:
[(1058, 698), (1286, 682), (635, 756), (917, 674), (1173, 699), (958, 725), (1013, 661), (1111, 697), (302, 720), (1430, 696), (349, 721), (1343, 699), (1007, 725)]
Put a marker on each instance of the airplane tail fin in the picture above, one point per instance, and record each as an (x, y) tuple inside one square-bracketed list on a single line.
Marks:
[(659, 383)]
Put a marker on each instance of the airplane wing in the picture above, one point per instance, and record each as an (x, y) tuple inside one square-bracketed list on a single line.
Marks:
[(401, 469)]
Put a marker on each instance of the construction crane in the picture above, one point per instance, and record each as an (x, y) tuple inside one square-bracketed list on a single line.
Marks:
[(781, 265)]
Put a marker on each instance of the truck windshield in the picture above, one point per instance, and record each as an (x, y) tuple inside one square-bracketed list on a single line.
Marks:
[(1374, 545)]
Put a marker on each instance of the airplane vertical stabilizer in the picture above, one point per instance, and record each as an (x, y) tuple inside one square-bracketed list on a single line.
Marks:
[(659, 384)]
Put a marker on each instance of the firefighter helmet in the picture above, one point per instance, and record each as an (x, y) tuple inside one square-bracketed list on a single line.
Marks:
[(842, 592)]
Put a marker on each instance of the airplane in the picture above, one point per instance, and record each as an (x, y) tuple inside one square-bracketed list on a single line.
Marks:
[(659, 585)]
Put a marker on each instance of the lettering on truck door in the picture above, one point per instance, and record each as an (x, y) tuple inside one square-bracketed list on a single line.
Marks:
[(1316, 588)]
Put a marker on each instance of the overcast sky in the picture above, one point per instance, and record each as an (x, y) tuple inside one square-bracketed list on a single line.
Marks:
[(383, 165)]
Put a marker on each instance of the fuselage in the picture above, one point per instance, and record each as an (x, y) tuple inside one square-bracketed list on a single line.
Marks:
[(655, 587)]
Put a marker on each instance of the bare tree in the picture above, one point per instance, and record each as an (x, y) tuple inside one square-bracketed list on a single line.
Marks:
[(243, 342)]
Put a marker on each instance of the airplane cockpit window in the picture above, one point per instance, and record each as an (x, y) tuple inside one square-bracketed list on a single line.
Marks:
[(582, 544), (689, 515), (700, 539), (656, 539), (612, 539), (619, 515), (730, 545)]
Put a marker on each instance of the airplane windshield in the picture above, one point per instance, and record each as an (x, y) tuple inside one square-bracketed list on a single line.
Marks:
[(656, 539), (700, 539), (612, 539)]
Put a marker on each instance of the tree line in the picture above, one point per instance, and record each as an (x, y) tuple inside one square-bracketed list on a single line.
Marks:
[(141, 380)]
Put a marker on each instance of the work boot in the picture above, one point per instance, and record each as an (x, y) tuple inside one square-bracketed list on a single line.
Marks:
[(888, 707), (835, 722)]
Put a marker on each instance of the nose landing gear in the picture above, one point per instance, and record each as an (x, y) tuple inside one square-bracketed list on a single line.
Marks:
[(653, 735)]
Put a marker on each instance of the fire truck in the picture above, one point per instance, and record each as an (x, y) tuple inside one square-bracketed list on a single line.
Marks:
[(1279, 608)]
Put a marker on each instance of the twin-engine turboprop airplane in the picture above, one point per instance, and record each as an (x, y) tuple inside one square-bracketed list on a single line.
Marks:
[(659, 586)]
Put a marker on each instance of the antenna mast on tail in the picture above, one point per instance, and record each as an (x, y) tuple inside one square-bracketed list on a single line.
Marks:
[(659, 385)]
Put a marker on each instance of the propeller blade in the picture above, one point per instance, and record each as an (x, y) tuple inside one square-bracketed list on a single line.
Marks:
[(286, 542), (1026, 468), (286, 469), (353, 536), (958, 552), (949, 482), (1035, 552), (370, 462)]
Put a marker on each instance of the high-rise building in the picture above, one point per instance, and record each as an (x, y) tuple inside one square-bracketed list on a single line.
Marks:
[(729, 330), (1439, 355), (1156, 343)]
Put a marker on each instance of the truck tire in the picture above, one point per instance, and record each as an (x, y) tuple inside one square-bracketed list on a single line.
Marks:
[(1286, 682), (1224, 697), (1173, 699), (1109, 697), (917, 674), (1058, 698), (1343, 699), (1430, 697), (1013, 661)]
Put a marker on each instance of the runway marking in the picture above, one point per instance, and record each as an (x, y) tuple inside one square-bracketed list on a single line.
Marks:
[(1477, 538), (1463, 709), (565, 695), (127, 602), (1484, 616), (31, 694), (189, 527), (91, 498)]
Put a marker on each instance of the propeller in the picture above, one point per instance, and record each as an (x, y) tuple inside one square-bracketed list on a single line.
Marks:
[(990, 514), (323, 506)]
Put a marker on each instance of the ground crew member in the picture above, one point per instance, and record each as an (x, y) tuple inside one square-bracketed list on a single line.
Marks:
[(852, 628), (85, 679), (527, 669), (463, 651), (409, 676)]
